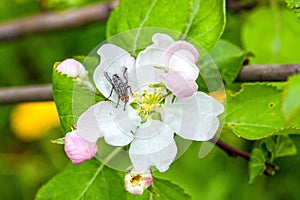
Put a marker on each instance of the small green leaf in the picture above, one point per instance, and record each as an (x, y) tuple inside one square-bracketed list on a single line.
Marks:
[(291, 100), (59, 141), (280, 146), (134, 105), (256, 164), (89, 180), (156, 116)]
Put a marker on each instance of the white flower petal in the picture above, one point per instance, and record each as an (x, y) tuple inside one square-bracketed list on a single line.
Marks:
[(159, 151), (103, 119), (113, 61), (115, 124), (179, 84), (87, 124), (150, 58), (195, 117)]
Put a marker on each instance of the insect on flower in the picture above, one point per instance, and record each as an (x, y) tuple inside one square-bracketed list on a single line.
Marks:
[(120, 86)]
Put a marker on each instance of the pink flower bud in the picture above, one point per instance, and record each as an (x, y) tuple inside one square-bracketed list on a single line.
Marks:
[(78, 149), (136, 183), (72, 68)]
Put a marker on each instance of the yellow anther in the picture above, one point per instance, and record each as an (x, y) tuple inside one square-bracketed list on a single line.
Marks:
[(144, 99), (159, 90), (146, 116), (136, 94), (146, 107), (134, 100), (145, 91), (150, 85)]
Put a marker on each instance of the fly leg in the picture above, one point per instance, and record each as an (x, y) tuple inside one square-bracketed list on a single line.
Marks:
[(110, 81), (112, 89), (130, 90), (125, 76), (118, 101)]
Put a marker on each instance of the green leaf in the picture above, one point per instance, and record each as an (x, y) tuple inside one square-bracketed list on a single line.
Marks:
[(201, 20), (273, 36), (291, 100), (71, 99), (254, 112), (227, 57), (89, 180), (256, 164), (280, 146)]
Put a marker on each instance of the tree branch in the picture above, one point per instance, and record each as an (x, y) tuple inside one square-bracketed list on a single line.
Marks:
[(25, 94), (274, 72), (248, 73), (55, 21), (231, 151)]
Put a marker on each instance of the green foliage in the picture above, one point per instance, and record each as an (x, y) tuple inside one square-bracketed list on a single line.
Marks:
[(201, 20), (291, 100), (256, 164), (256, 116), (89, 180), (294, 5), (92, 180), (263, 156), (272, 35), (226, 60)]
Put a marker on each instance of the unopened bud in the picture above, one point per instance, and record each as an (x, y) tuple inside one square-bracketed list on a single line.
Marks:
[(75, 69), (78, 149)]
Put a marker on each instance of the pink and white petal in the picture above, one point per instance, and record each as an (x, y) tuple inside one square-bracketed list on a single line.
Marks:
[(179, 83), (103, 119), (150, 58), (161, 41), (179, 63), (195, 117), (159, 151), (113, 60), (184, 49)]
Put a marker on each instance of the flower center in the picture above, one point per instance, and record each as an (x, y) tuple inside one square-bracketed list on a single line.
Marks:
[(148, 103)]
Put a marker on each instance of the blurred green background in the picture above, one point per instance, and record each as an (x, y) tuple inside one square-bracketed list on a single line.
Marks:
[(27, 162)]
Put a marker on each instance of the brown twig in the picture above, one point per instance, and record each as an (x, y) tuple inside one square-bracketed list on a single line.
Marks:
[(274, 72), (230, 150), (55, 21), (248, 73), (25, 94)]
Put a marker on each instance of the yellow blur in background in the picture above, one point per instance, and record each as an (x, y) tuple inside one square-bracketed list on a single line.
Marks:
[(32, 121)]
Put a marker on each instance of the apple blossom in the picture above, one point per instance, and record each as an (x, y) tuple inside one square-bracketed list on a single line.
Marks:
[(152, 115)]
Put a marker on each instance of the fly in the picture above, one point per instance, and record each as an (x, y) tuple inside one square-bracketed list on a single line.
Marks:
[(120, 86)]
